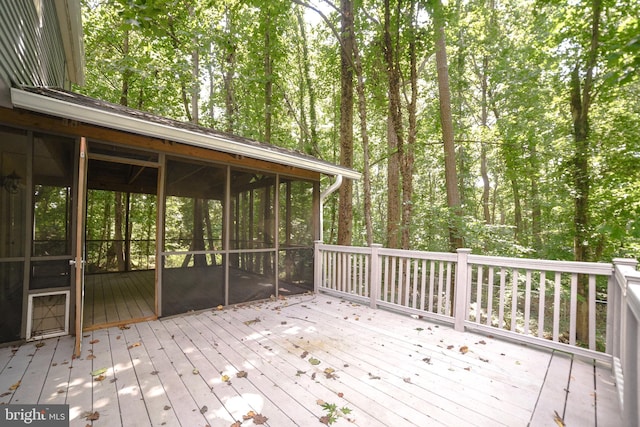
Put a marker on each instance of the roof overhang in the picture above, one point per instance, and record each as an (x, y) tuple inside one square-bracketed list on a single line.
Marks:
[(128, 123)]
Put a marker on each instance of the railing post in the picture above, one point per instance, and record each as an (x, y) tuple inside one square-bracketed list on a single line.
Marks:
[(461, 289), (317, 266), (374, 275)]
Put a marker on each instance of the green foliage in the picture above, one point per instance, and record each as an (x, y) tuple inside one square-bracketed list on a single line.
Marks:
[(522, 50)]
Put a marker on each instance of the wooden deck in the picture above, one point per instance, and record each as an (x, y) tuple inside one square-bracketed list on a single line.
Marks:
[(115, 298), (283, 359)]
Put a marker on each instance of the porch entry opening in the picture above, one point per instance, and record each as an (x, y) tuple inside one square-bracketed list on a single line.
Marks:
[(120, 245)]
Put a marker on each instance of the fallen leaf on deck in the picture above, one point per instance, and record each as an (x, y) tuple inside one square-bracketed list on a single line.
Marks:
[(15, 386), (558, 419), (91, 357), (195, 371), (99, 378), (300, 373), (341, 395), (242, 374), (94, 341), (249, 415), (91, 416), (284, 322), (320, 402), (468, 368), (98, 372), (314, 361), (259, 419), (135, 344), (324, 419), (236, 424), (154, 372), (204, 409), (464, 349), (484, 360), (481, 342), (313, 376), (329, 373), (220, 307), (427, 360), (251, 322), (123, 327), (373, 377), (6, 393), (407, 380), (40, 344), (167, 407), (419, 329), (225, 378), (304, 354), (449, 347)]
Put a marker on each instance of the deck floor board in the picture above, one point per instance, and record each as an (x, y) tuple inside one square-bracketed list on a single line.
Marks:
[(388, 369)]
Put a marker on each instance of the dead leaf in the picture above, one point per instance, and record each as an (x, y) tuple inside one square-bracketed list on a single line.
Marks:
[(92, 416), (195, 371), (314, 361), (96, 341), (135, 344), (15, 386), (167, 407), (341, 395), (329, 373), (249, 415), (236, 424), (259, 419), (468, 368), (300, 373), (40, 344), (99, 378), (252, 321), (6, 393), (304, 354), (464, 349), (242, 374), (449, 347), (220, 307), (373, 377), (407, 380), (204, 409), (91, 357), (324, 420), (482, 342), (225, 378), (123, 327), (558, 419), (320, 402)]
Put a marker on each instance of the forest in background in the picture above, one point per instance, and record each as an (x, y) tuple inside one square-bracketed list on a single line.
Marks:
[(522, 140)]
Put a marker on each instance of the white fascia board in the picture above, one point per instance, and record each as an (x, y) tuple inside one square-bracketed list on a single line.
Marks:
[(47, 105)]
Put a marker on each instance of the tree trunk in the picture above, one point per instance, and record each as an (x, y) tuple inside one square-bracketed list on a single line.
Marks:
[(580, 105), (268, 79), (408, 158), (229, 67), (451, 176), (394, 135), (345, 208)]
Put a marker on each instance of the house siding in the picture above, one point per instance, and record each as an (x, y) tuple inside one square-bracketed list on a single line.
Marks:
[(31, 48)]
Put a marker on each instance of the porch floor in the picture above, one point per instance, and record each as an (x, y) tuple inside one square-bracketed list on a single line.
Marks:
[(282, 359)]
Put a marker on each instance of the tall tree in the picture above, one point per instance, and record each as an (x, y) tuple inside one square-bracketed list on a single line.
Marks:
[(446, 122), (347, 40), (581, 100)]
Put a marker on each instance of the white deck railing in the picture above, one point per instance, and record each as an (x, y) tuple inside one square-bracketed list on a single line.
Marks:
[(535, 301)]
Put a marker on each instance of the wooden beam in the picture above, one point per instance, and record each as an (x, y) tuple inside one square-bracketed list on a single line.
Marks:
[(42, 122)]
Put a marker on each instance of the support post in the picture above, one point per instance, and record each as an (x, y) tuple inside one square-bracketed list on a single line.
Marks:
[(374, 275), (317, 266), (461, 289)]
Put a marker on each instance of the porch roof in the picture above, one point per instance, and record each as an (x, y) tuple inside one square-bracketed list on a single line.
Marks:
[(73, 106)]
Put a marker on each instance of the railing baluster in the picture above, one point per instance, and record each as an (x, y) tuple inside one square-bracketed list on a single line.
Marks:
[(503, 282), (423, 283), (414, 295), (385, 296), (573, 309), (592, 312), (556, 307), (527, 303), (541, 304), (478, 295), (432, 280), (490, 297), (514, 299)]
